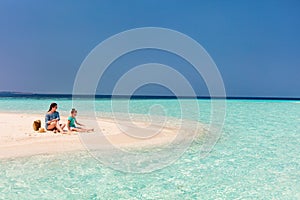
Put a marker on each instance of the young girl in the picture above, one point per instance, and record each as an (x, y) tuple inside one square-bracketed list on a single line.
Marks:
[(72, 123)]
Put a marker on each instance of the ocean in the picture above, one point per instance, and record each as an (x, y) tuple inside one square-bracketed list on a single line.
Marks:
[(256, 157)]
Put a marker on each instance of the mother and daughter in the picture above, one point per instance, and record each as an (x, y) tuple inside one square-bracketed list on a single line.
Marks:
[(52, 119)]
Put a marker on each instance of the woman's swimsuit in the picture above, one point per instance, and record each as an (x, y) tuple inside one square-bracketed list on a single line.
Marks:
[(50, 117)]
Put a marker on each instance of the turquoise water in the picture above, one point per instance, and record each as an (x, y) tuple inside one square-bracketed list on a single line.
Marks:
[(257, 157)]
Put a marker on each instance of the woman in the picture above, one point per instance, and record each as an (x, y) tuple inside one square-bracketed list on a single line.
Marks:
[(52, 119)]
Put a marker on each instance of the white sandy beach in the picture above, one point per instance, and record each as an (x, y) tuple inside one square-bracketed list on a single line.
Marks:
[(17, 138)]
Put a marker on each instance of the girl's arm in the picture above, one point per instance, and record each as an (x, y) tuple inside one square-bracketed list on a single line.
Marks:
[(78, 123)]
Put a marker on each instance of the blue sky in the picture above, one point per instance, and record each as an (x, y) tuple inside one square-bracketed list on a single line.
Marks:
[(255, 44)]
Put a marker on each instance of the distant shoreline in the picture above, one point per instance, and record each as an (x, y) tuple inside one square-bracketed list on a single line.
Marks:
[(70, 96)]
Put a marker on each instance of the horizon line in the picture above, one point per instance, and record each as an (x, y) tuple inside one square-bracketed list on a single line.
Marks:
[(105, 96)]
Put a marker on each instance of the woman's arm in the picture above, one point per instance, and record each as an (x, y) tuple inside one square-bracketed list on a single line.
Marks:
[(57, 116), (47, 119)]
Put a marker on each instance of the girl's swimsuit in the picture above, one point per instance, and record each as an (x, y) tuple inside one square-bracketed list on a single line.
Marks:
[(72, 122)]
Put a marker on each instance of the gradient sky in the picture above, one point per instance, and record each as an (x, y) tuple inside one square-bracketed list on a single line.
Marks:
[(255, 44)]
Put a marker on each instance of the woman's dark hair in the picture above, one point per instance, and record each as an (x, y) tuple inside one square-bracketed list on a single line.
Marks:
[(52, 105)]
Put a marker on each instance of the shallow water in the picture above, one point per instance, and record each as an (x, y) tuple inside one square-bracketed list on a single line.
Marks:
[(257, 157)]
